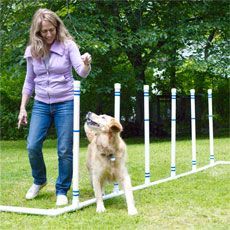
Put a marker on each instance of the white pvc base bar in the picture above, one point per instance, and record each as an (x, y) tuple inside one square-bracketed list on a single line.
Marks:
[(71, 208)]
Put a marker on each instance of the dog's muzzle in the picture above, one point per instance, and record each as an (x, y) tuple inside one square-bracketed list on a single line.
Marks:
[(89, 121)]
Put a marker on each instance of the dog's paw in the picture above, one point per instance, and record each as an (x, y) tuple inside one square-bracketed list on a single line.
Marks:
[(132, 211), (100, 208)]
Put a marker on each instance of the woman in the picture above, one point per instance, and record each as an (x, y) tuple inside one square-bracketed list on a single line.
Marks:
[(50, 56)]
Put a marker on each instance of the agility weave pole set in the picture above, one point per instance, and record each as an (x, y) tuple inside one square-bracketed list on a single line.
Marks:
[(76, 204)]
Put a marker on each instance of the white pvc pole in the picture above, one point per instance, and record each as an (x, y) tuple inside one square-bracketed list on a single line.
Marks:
[(76, 136), (143, 186), (173, 132), (146, 125), (117, 96), (210, 118), (193, 128)]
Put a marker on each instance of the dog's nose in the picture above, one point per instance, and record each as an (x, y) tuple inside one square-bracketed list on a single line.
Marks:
[(88, 115)]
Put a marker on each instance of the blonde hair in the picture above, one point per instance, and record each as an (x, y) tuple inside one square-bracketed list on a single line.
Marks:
[(38, 47)]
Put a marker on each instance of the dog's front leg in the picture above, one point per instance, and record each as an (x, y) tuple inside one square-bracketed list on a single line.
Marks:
[(98, 194), (127, 186)]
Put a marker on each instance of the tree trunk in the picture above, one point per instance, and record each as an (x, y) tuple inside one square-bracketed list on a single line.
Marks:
[(140, 109), (172, 75), (139, 70), (172, 68)]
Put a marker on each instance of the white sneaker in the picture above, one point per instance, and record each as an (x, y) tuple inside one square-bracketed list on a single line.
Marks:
[(33, 191), (61, 200)]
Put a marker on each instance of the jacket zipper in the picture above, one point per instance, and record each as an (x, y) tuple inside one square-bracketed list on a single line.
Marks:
[(46, 63)]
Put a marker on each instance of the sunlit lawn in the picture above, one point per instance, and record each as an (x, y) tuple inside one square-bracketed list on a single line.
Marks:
[(199, 201)]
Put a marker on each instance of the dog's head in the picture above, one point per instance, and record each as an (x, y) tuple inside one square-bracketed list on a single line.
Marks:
[(102, 123)]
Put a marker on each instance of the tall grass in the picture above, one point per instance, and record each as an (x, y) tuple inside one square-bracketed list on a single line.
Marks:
[(199, 201)]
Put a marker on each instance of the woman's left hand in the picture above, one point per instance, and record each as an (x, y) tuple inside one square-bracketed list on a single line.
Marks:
[(86, 58)]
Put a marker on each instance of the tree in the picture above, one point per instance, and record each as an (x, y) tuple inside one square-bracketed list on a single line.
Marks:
[(154, 33), (178, 44)]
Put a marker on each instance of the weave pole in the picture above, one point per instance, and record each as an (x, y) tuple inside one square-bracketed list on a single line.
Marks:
[(146, 128), (193, 128), (117, 98), (210, 118), (173, 132), (76, 137)]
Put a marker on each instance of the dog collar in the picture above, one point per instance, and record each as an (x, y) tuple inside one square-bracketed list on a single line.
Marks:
[(112, 157)]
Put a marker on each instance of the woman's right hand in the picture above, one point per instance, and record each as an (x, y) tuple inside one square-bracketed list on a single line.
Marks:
[(22, 118)]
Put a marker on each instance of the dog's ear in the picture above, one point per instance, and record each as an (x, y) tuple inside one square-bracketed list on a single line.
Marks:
[(115, 126)]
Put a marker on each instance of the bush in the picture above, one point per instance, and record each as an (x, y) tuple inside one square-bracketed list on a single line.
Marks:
[(10, 90)]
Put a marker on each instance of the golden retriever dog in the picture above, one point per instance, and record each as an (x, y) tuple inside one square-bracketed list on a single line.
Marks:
[(106, 158)]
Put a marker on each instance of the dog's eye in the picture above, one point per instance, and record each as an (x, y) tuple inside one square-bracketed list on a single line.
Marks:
[(103, 117)]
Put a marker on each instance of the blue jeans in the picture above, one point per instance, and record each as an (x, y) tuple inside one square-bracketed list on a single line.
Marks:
[(42, 117)]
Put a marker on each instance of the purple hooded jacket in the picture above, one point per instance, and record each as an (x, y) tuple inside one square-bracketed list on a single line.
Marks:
[(52, 80)]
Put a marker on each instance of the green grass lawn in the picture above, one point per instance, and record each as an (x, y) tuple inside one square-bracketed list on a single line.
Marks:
[(198, 201)]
